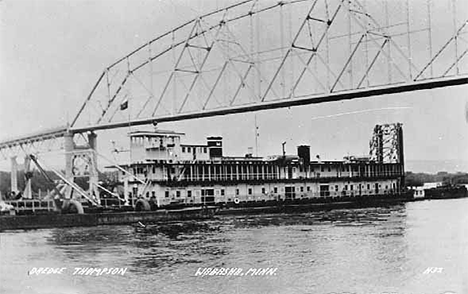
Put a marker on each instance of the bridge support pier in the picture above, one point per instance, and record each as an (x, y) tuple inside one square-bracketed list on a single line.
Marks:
[(93, 171), (14, 175), (27, 194), (69, 147), (81, 162), (126, 191)]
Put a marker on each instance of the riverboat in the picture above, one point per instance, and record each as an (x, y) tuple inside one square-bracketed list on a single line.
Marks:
[(164, 172)]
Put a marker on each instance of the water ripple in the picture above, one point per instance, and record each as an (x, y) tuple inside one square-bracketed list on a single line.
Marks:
[(370, 250)]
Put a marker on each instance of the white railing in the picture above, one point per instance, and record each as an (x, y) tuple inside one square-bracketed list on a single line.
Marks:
[(32, 205)]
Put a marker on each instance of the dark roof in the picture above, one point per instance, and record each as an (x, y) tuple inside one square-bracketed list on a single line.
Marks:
[(154, 133), (193, 145)]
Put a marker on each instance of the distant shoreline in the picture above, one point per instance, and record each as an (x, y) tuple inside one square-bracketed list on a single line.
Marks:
[(436, 166)]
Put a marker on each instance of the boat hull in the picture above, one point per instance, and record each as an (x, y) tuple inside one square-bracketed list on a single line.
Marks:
[(41, 221)]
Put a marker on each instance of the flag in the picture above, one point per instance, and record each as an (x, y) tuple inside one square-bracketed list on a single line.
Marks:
[(124, 105)]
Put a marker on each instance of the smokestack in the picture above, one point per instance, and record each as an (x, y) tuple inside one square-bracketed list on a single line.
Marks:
[(249, 152), (215, 146), (303, 151)]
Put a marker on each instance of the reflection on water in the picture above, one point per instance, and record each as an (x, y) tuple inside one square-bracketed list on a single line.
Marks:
[(369, 250)]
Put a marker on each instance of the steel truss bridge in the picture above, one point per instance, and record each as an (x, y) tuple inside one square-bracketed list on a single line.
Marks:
[(257, 55)]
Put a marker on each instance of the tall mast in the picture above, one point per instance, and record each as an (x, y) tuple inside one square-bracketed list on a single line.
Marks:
[(256, 136)]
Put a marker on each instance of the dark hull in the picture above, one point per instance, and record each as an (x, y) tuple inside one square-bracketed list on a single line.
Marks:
[(177, 213), (446, 193), (41, 221), (304, 205)]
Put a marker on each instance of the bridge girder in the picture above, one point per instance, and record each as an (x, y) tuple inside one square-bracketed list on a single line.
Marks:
[(49, 140), (263, 54), (257, 55)]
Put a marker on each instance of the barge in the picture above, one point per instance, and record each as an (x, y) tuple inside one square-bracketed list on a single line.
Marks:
[(59, 220), (442, 191)]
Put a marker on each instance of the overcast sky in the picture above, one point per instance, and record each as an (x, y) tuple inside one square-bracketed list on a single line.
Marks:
[(52, 52)]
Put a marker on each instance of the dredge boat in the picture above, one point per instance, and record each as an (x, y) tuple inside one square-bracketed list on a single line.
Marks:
[(167, 180), (166, 173)]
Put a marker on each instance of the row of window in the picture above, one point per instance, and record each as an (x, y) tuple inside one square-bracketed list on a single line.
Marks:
[(192, 149), (152, 140), (189, 193), (238, 172), (371, 170), (275, 190), (361, 186)]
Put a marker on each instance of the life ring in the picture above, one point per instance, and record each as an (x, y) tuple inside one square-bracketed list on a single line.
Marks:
[(236, 200), (72, 206)]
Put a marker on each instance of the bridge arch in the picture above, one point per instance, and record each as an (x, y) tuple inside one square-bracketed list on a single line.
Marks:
[(257, 55)]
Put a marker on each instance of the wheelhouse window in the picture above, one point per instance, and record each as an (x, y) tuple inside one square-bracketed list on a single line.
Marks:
[(250, 191), (189, 193), (166, 194)]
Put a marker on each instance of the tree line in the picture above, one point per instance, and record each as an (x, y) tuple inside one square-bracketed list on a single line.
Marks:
[(418, 179), (40, 183)]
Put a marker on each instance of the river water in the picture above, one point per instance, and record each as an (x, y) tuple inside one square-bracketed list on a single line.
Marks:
[(412, 248)]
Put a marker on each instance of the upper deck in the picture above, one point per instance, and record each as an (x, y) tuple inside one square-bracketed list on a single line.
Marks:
[(160, 156), (235, 170)]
